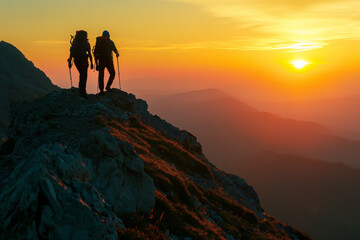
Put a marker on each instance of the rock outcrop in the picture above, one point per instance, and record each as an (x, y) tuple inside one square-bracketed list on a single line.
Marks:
[(67, 168), (36, 204), (106, 168)]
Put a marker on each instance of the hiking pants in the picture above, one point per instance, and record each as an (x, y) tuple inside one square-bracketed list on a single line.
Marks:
[(109, 65), (82, 68)]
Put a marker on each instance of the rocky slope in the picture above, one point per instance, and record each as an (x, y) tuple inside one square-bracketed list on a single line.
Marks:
[(105, 168), (19, 80)]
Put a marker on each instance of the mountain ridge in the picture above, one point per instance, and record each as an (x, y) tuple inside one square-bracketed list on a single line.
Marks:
[(87, 154)]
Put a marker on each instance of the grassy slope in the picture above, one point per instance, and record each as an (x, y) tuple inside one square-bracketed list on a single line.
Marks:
[(183, 207)]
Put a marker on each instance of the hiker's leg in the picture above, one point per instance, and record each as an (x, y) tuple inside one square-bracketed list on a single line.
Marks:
[(111, 69), (82, 68), (83, 79), (101, 74)]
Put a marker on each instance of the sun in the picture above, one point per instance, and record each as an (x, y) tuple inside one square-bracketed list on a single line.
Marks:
[(299, 64)]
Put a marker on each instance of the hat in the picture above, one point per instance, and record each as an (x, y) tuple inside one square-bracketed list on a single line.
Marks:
[(106, 34)]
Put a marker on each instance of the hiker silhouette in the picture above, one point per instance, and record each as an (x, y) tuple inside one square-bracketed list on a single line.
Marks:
[(80, 51), (104, 59)]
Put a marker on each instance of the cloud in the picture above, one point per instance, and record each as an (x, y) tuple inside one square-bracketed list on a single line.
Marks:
[(240, 43), (282, 24)]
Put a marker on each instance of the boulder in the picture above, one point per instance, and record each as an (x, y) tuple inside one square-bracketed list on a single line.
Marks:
[(118, 173)]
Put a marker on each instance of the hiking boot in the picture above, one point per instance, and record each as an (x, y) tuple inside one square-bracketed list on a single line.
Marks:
[(108, 89), (84, 95)]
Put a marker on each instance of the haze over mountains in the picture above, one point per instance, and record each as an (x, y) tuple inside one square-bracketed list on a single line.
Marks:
[(242, 131), (341, 114)]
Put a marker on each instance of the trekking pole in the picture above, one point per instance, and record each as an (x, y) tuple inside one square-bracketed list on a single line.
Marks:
[(118, 72), (71, 44), (70, 77)]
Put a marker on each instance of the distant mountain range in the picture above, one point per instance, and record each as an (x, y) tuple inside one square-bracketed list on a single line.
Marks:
[(276, 155), (241, 131), (342, 114)]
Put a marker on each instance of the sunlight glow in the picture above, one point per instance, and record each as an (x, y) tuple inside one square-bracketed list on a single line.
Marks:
[(299, 64), (299, 47)]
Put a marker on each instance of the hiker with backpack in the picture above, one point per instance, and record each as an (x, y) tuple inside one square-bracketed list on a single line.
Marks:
[(80, 51), (104, 59)]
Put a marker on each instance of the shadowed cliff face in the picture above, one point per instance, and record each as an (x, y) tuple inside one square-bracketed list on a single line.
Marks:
[(105, 168)]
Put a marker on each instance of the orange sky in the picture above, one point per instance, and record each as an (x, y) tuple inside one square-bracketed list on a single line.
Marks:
[(243, 47)]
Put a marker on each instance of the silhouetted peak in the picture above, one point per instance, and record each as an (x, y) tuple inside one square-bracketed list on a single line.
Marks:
[(10, 51), (19, 80)]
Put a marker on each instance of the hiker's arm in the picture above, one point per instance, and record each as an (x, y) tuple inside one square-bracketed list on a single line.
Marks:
[(90, 56), (115, 50)]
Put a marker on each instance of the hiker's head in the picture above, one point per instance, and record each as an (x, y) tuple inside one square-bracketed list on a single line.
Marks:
[(106, 34)]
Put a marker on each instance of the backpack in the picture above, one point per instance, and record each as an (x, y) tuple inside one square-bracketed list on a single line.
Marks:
[(101, 46), (79, 45)]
